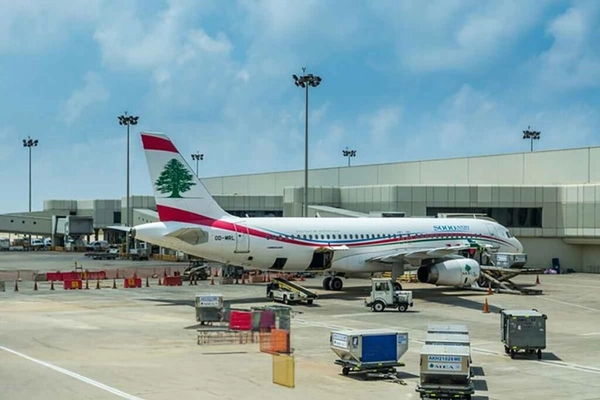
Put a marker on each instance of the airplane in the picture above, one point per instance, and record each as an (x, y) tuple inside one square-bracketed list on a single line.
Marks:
[(193, 222)]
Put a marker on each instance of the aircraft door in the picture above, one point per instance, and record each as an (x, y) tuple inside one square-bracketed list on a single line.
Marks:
[(322, 260), (242, 238)]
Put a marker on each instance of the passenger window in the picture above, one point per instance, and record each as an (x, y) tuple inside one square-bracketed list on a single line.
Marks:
[(345, 236), (310, 236), (362, 236)]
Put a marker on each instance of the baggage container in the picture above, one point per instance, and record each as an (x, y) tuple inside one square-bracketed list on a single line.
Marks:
[(445, 371), (447, 328), (445, 339), (368, 350), (209, 308), (523, 330)]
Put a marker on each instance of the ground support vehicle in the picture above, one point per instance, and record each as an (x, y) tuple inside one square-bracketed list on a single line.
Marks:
[(280, 289), (383, 295)]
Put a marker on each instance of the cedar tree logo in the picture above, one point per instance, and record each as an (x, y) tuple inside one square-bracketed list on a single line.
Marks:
[(174, 179)]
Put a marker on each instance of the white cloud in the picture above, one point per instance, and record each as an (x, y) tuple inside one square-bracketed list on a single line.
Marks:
[(472, 122), (163, 44), (30, 25), (382, 123), (573, 61), (453, 34), (81, 99)]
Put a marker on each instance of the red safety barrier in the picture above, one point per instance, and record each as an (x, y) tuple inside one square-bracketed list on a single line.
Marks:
[(54, 276), (240, 320), (69, 284), (172, 281), (95, 275), (70, 276), (132, 283)]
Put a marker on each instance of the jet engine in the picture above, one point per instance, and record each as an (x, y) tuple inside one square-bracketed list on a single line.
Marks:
[(453, 272)]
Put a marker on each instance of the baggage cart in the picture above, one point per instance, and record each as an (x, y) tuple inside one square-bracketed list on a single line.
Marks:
[(371, 351), (445, 372), (523, 330)]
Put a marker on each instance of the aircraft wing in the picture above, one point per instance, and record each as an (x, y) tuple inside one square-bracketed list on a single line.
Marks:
[(420, 254), (191, 236), (120, 228)]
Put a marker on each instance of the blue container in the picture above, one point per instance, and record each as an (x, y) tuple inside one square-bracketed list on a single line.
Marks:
[(369, 346)]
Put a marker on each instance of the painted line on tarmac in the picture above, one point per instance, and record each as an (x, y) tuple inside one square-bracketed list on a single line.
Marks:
[(74, 375), (571, 366), (590, 334), (570, 304)]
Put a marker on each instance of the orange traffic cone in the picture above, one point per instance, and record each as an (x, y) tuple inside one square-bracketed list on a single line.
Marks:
[(16, 286), (268, 277), (51, 285), (35, 286), (212, 280), (117, 274), (486, 307), (97, 283), (147, 283), (87, 285), (537, 280), (165, 273), (490, 289), (159, 282), (243, 279), (114, 283)]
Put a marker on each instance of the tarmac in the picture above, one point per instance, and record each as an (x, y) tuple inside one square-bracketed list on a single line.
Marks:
[(141, 343)]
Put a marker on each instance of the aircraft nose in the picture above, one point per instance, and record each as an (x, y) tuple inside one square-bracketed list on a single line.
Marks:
[(519, 247)]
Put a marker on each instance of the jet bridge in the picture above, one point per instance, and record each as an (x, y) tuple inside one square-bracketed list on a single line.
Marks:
[(26, 224)]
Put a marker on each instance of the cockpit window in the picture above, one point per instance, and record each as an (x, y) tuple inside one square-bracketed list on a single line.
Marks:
[(508, 234)]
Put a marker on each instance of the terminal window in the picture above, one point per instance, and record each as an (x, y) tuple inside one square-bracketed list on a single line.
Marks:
[(510, 217)]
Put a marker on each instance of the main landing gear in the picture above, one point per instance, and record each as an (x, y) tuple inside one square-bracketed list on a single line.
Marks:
[(333, 283), (336, 283)]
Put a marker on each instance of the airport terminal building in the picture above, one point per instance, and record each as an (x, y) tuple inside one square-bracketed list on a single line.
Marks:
[(549, 199)]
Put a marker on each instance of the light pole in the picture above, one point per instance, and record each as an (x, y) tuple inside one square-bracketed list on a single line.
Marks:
[(197, 157), (531, 135), (304, 82), (128, 120), (29, 143), (349, 154)]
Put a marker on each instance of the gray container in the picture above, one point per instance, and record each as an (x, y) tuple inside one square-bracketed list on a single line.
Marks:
[(448, 329), (445, 339), (445, 372), (523, 330), (445, 364), (209, 308)]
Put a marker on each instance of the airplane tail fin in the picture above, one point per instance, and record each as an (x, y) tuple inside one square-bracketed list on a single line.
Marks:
[(179, 193)]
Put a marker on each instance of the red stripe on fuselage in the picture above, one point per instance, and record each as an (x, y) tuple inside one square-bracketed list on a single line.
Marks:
[(171, 214), (156, 143)]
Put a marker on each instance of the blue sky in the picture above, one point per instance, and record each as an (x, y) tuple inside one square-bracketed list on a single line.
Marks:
[(402, 80)]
